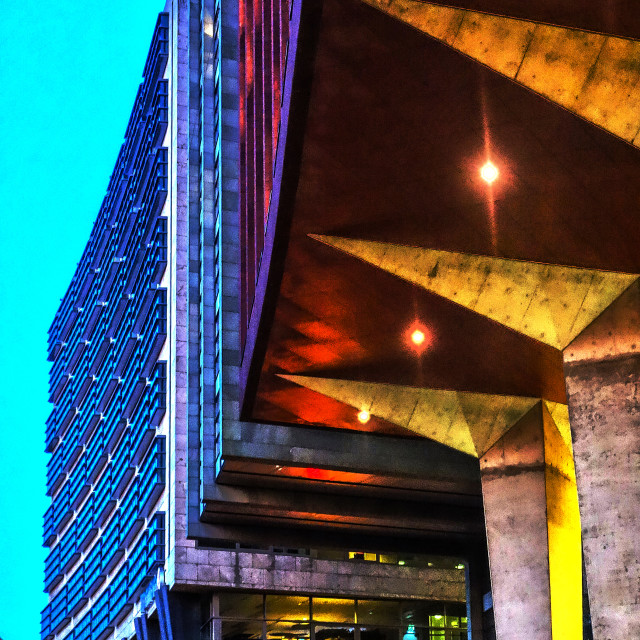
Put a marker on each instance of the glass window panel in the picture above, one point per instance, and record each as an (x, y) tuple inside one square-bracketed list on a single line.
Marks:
[(419, 613), (288, 631), (241, 605), (375, 612), (458, 609), (241, 630), (389, 558), (436, 621), (334, 610), (287, 608), (334, 633), (379, 633)]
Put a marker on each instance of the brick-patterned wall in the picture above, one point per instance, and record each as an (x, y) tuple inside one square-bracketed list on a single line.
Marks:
[(300, 574)]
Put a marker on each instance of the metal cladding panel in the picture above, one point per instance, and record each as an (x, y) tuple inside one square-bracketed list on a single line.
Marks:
[(107, 468)]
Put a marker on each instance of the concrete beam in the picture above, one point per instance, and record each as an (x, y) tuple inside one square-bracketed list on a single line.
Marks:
[(593, 75), (350, 451), (550, 303)]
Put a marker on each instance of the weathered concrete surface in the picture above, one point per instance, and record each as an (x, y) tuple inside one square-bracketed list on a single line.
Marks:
[(593, 75), (602, 368), (548, 302), (211, 568), (531, 509)]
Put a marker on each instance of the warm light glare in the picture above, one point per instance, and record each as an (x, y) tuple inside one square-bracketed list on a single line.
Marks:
[(489, 172), (418, 337), (364, 416)]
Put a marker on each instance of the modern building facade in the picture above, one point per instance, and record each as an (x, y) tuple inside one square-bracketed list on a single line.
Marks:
[(351, 351)]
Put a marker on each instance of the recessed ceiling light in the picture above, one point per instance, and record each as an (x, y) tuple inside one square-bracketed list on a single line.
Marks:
[(364, 416), (489, 172), (418, 337)]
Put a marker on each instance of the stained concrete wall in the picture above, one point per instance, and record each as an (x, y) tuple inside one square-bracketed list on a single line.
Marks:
[(602, 369), (285, 573)]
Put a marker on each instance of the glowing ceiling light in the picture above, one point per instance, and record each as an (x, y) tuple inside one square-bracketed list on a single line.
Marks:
[(489, 172), (418, 337), (364, 416)]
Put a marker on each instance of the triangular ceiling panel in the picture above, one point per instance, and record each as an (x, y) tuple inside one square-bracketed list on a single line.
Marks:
[(594, 75), (550, 303)]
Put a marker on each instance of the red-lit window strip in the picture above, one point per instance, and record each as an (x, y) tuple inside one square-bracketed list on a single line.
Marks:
[(264, 32)]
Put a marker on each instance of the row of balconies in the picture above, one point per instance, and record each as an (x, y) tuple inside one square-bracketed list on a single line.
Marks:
[(140, 565), (119, 518), (148, 266), (131, 439), (135, 185), (117, 396), (100, 358)]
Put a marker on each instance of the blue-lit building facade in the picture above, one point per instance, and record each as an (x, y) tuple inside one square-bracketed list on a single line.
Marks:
[(145, 351), (107, 431)]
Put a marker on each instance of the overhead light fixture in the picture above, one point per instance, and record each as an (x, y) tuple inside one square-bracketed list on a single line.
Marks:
[(364, 416), (489, 172), (418, 337)]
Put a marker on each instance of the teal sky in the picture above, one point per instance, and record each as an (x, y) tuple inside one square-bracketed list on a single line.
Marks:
[(69, 72)]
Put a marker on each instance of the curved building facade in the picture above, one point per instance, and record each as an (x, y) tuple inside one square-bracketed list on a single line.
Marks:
[(352, 350)]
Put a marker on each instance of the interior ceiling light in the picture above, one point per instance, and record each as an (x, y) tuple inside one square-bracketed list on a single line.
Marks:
[(418, 337), (489, 172), (364, 416)]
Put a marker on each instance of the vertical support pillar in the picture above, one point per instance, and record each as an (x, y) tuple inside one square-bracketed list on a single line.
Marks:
[(216, 623), (533, 530), (475, 580), (602, 372)]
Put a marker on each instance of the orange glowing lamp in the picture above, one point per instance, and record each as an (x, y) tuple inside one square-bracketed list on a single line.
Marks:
[(489, 172)]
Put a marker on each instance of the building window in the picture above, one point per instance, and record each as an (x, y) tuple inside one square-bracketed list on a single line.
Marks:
[(243, 616)]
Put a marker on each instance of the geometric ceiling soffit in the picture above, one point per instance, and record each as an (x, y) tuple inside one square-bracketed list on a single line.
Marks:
[(550, 303), (469, 422), (593, 75), (559, 414)]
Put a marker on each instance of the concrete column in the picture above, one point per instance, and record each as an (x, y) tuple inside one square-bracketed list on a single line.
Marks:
[(602, 370), (533, 531)]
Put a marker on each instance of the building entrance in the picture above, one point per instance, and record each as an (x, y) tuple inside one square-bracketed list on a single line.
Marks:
[(251, 616)]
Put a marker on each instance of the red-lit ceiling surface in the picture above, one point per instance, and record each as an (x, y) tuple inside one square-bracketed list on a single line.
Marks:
[(398, 126)]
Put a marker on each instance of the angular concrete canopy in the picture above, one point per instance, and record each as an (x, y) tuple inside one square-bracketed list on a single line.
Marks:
[(550, 303), (594, 75), (468, 422)]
